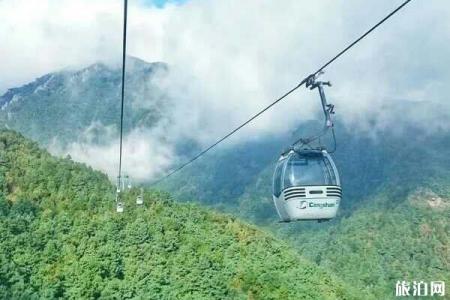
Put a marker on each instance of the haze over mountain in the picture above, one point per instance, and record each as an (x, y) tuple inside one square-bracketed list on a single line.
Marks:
[(77, 111), (227, 70), (389, 173)]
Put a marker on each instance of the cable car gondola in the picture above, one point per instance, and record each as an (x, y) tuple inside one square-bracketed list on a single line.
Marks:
[(306, 184), (119, 207), (140, 198), (119, 202)]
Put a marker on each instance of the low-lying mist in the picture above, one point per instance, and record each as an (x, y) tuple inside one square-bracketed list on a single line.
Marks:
[(229, 59)]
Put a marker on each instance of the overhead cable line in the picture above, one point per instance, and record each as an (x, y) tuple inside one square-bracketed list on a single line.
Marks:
[(124, 51), (283, 96)]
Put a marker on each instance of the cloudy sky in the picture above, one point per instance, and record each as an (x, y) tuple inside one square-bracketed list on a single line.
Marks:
[(230, 58)]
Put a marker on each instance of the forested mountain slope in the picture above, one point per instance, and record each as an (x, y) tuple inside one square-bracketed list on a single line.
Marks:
[(388, 240), (60, 238), (394, 222)]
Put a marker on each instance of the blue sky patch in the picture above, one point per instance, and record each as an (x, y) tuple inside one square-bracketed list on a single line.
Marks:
[(161, 3)]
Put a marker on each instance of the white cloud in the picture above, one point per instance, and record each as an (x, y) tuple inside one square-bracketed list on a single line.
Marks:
[(230, 58), (144, 155)]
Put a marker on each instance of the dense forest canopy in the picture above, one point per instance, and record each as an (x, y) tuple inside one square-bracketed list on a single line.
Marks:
[(394, 222), (62, 239)]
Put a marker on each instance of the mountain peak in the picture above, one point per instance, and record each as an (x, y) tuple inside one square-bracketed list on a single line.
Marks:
[(134, 66), (13, 94)]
